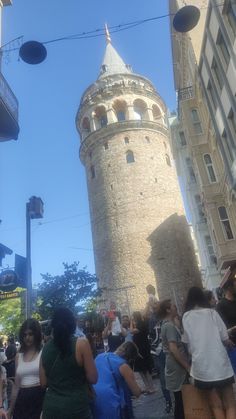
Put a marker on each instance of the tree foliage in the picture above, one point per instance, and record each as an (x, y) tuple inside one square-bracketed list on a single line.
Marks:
[(72, 289)]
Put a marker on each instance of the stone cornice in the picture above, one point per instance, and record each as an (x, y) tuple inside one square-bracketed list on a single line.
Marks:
[(101, 134)]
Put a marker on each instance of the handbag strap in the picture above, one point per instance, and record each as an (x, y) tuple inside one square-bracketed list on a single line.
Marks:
[(113, 374)]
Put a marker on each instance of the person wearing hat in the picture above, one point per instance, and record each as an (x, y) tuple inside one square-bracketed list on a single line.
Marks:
[(227, 309)]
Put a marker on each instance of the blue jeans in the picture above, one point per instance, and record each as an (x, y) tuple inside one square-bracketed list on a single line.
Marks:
[(232, 357), (160, 362)]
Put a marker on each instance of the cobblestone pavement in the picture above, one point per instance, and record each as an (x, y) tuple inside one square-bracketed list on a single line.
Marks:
[(151, 406)]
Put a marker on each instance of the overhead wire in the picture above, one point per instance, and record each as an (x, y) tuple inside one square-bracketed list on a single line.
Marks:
[(101, 32)]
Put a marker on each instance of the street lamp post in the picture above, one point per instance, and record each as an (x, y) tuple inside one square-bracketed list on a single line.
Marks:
[(34, 209)]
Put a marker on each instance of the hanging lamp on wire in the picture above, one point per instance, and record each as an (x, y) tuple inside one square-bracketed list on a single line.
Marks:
[(33, 52), (186, 18)]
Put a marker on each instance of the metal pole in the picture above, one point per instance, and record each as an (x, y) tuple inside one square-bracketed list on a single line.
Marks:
[(28, 263)]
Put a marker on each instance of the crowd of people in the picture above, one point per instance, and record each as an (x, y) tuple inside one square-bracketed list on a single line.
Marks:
[(67, 373)]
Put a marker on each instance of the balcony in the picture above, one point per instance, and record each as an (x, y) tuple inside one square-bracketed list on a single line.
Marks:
[(9, 128), (185, 94)]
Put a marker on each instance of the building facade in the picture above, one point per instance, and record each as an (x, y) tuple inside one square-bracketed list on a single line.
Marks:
[(198, 117), (9, 128), (140, 234)]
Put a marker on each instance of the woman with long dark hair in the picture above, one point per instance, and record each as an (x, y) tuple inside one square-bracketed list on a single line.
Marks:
[(27, 394), (67, 369), (207, 338), (143, 364), (116, 383)]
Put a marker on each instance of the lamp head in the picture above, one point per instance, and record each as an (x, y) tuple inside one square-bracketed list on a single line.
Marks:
[(186, 18), (33, 52)]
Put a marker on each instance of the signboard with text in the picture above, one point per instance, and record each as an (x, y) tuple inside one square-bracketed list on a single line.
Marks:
[(9, 295)]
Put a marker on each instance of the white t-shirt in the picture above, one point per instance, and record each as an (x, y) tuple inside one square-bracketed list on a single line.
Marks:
[(204, 332)]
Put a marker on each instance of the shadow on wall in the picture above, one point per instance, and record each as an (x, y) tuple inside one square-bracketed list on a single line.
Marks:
[(173, 259)]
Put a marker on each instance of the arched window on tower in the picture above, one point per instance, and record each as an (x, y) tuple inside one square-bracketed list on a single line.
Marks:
[(130, 156), (86, 125), (168, 160), (140, 110), (156, 113), (120, 108), (100, 116), (92, 172)]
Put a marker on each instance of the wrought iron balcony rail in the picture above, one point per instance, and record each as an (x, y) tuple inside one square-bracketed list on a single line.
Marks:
[(8, 98), (186, 93)]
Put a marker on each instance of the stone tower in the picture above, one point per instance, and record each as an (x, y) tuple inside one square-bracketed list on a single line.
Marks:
[(139, 230)]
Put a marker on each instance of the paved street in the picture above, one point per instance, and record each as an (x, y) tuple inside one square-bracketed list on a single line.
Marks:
[(151, 406)]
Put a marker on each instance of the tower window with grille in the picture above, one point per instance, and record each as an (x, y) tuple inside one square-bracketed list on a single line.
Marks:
[(106, 146), (92, 172), (210, 168), (182, 138), (225, 223), (130, 157), (168, 162), (126, 140), (196, 122), (147, 139), (210, 250), (223, 48)]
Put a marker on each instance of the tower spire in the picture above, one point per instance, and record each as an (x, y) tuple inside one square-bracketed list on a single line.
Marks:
[(108, 36)]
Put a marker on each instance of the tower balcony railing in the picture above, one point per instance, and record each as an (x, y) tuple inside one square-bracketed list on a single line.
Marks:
[(9, 128)]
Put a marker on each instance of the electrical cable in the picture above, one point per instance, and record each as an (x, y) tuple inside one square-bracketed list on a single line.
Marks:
[(100, 31)]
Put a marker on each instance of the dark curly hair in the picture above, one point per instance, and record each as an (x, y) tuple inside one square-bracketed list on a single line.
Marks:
[(34, 326), (63, 326), (196, 297), (128, 351)]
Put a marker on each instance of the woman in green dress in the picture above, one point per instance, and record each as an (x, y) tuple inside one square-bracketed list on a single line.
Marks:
[(66, 369)]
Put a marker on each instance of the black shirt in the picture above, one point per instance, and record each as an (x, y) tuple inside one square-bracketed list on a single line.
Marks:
[(227, 310)]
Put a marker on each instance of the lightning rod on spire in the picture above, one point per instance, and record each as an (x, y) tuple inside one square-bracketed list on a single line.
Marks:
[(108, 37)]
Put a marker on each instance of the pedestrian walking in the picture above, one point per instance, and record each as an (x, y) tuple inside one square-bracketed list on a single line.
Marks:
[(210, 297), (27, 394), (67, 370), (177, 365), (3, 391), (113, 332), (227, 310), (206, 337), (143, 364), (116, 383)]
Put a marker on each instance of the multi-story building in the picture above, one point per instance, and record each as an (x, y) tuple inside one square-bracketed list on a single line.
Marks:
[(140, 234), (9, 127), (198, 117)]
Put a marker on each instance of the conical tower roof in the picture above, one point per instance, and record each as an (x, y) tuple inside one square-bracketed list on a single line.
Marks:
[(112, 62)]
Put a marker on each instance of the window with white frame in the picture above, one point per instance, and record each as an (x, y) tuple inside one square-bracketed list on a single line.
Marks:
[(182, 138), (210, 168), (217, 73), (223, 48), (210, 250), (212, 94), (225, 223), (199, 206), (196, 122), (230, 12), (191, 173)]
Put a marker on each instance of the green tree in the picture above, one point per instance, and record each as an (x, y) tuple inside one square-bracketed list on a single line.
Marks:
[(72, 289)]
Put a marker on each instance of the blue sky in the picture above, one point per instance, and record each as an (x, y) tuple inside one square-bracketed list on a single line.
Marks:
[(44, 161)]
